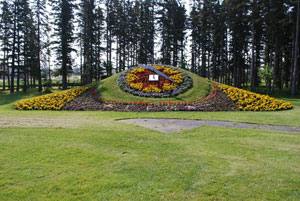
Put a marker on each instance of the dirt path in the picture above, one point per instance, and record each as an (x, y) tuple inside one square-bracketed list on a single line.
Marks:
[(176, 125), (45, 122), (161, 125)]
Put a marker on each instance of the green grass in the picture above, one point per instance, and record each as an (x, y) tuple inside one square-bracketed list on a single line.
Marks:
[(7, 100), (107, 160), (110, 91)]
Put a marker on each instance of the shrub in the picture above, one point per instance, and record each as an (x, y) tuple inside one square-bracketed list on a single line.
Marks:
[(53, 101), (249, 101), (47, 90)]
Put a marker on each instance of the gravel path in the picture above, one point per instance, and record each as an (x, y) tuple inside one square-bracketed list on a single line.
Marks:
[(176, 125)]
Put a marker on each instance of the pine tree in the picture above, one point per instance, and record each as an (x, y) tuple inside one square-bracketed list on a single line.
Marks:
[(218, 58), (146, 32), (195, 32), (87, 21), (98, 36), (239, 30), (173, 25), (31, 51), (13, 48), (5, 36), (295, 69), (110, 21), (40, 18), (257, 36), (63, 13)]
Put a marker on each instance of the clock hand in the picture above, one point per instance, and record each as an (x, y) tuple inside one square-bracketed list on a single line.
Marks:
[(151, 68)]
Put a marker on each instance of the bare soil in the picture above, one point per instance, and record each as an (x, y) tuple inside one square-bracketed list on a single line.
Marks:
[(43, 122)]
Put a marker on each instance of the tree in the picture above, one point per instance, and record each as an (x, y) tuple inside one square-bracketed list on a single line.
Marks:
[(231, 40), (98, 36), (173, 25), (87, 25), (257, 35), (31, 51), (63, 13), (6, 26), (110, 21), (39, 7), (219, 60), (238, 20), (295, 69)]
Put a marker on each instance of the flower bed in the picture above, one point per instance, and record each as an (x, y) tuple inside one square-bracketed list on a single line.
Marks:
[(249, 101), (215, 101), (53, 101), (172, 82)]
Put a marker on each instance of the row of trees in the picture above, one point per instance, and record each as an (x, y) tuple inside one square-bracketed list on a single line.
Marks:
[(238, 42), (20, 46), (233, 41)]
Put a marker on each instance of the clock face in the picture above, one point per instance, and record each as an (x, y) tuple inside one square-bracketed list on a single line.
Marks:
[(154, 81)]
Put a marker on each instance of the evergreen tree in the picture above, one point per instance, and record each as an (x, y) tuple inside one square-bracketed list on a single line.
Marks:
[(98, 49), (257, 36), (40, 17), (87, 21), (238, 22), (21, 29), (173, 25), (63, 13), (295, 69), (5, 36)]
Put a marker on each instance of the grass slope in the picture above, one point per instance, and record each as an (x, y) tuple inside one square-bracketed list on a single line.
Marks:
[(111, 91), (107, 160)]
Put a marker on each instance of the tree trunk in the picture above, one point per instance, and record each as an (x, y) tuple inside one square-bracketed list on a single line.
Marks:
[(39, 50), (295, 72), (12, 76)]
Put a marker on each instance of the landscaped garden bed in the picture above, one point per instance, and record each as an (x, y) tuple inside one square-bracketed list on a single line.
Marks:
[(53, 101), (216, 101), (249, 101), (170, 81), (171, 89)]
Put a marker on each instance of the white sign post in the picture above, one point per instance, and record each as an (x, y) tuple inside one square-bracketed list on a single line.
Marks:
[(153, 78)]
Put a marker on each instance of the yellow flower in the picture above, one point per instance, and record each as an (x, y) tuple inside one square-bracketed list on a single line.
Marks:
[(54, 101), (249, 101), (168, 87), (152, 88)]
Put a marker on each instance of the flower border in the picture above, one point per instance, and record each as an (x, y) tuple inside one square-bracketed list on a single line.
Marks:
[(250, 101)]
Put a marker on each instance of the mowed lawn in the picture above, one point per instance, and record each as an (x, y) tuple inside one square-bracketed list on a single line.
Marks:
[(90, 156)]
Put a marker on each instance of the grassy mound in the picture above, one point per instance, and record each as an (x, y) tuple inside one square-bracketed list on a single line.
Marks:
[(110, 91), (249, 101)]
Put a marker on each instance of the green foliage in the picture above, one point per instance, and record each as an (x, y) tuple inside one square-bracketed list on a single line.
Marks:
[(173, 24), (63, 13), (266, 74), (47, 90)]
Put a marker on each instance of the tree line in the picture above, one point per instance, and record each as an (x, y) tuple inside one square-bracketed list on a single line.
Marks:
[(245, 43)]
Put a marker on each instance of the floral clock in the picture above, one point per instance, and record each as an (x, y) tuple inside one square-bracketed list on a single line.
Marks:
[(154, 81)]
